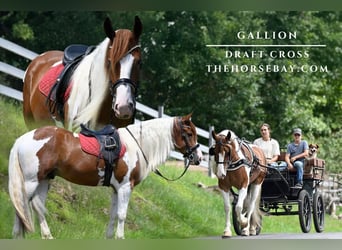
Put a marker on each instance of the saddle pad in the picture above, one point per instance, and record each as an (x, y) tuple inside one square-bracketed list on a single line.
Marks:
[(49, 79), (91, 146)]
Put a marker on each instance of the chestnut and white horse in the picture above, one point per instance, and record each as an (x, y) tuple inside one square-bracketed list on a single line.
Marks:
[(101, 89), (43, 153), (239, 164)]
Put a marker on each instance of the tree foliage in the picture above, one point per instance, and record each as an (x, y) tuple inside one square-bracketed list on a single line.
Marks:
[(175, 59)]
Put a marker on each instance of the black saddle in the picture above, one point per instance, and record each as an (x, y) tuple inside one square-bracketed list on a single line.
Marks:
[(107, 130), (73, 54), (110, 147), (74, 51)]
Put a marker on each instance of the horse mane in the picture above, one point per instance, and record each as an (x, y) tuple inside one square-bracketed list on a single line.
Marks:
[(85, 110), (155, 141)]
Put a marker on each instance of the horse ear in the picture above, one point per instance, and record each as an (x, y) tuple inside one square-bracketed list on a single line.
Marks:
[(228, 136), (187, 117), (108, 28), (213, 134), (137, 27)]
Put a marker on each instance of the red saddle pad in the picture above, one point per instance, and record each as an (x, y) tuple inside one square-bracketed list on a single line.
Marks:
[(49, 79), (91, 146)]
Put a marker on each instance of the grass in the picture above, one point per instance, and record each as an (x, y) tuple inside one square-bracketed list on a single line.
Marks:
[(158, 209)]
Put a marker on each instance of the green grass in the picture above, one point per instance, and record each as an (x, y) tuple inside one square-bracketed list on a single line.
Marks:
[(158, 209)]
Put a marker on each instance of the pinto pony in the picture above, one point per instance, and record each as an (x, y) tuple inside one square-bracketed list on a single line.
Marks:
[(101, 88), (46, 152), (240, 165)]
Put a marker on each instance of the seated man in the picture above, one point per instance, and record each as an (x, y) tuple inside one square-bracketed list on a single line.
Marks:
[(269, 146), (295, 155)]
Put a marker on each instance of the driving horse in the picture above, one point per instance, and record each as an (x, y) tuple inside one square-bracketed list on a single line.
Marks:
[(239, 164), (75, 87), (46, 152)]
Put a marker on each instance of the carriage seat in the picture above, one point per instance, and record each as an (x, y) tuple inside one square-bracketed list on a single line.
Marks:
[(107, 130), (75, 51)]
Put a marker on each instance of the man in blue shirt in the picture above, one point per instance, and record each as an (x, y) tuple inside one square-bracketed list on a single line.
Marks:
[(295, 155)]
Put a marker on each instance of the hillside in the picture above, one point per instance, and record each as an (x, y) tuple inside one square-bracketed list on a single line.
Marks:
[(158, 209)]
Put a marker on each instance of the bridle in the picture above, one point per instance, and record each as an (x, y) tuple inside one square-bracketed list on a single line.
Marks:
[(189, 155), (227, 162), (124, 81)]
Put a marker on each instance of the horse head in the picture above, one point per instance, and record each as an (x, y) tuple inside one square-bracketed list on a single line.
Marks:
[(223, 152), (185, 139), (124, 59)]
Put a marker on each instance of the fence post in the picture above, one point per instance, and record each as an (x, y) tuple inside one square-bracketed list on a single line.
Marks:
[(210, 158), (160, 111)]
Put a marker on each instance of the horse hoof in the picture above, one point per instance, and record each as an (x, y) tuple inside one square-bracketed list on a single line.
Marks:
[(244, 232), (226, 234)]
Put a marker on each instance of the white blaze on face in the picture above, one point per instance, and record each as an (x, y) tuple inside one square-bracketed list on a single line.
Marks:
[(123, 106), (220, 166)]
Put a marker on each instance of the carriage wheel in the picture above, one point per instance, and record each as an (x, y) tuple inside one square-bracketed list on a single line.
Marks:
[(318, 212), (304, 211)]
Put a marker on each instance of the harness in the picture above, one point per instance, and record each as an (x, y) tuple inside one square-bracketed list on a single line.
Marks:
[(234, 165)]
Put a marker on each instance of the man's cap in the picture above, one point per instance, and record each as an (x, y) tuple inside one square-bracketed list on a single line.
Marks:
[(297, 131)]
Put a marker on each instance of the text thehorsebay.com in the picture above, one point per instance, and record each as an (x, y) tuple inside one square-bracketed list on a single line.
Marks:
[(282, 55)]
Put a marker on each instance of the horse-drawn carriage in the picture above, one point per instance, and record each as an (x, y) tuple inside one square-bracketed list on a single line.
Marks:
[(279, 196), (259, 189)]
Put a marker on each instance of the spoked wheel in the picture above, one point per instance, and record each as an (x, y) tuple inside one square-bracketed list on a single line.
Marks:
[(304, 211), (318, 212)]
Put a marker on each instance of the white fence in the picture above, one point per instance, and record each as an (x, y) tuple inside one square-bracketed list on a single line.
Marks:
[(19, 73)]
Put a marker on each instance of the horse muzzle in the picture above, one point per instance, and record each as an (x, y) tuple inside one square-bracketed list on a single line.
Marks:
[(194, 155)]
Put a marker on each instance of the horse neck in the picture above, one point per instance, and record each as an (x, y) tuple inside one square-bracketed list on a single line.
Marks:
[(155, 140), (237, 153), (89, 87)]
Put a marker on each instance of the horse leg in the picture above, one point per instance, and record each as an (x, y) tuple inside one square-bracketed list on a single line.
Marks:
[(239, 208), (253, 208), (124, 194), (18, 228), (227, 232), (113, 215), (38, 202)]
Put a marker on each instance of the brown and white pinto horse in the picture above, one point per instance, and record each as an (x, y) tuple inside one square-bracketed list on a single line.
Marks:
[(240, 165), (112, 66), (43, 153)]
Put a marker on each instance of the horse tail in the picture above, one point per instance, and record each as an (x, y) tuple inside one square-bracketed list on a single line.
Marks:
[(17, 191)]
